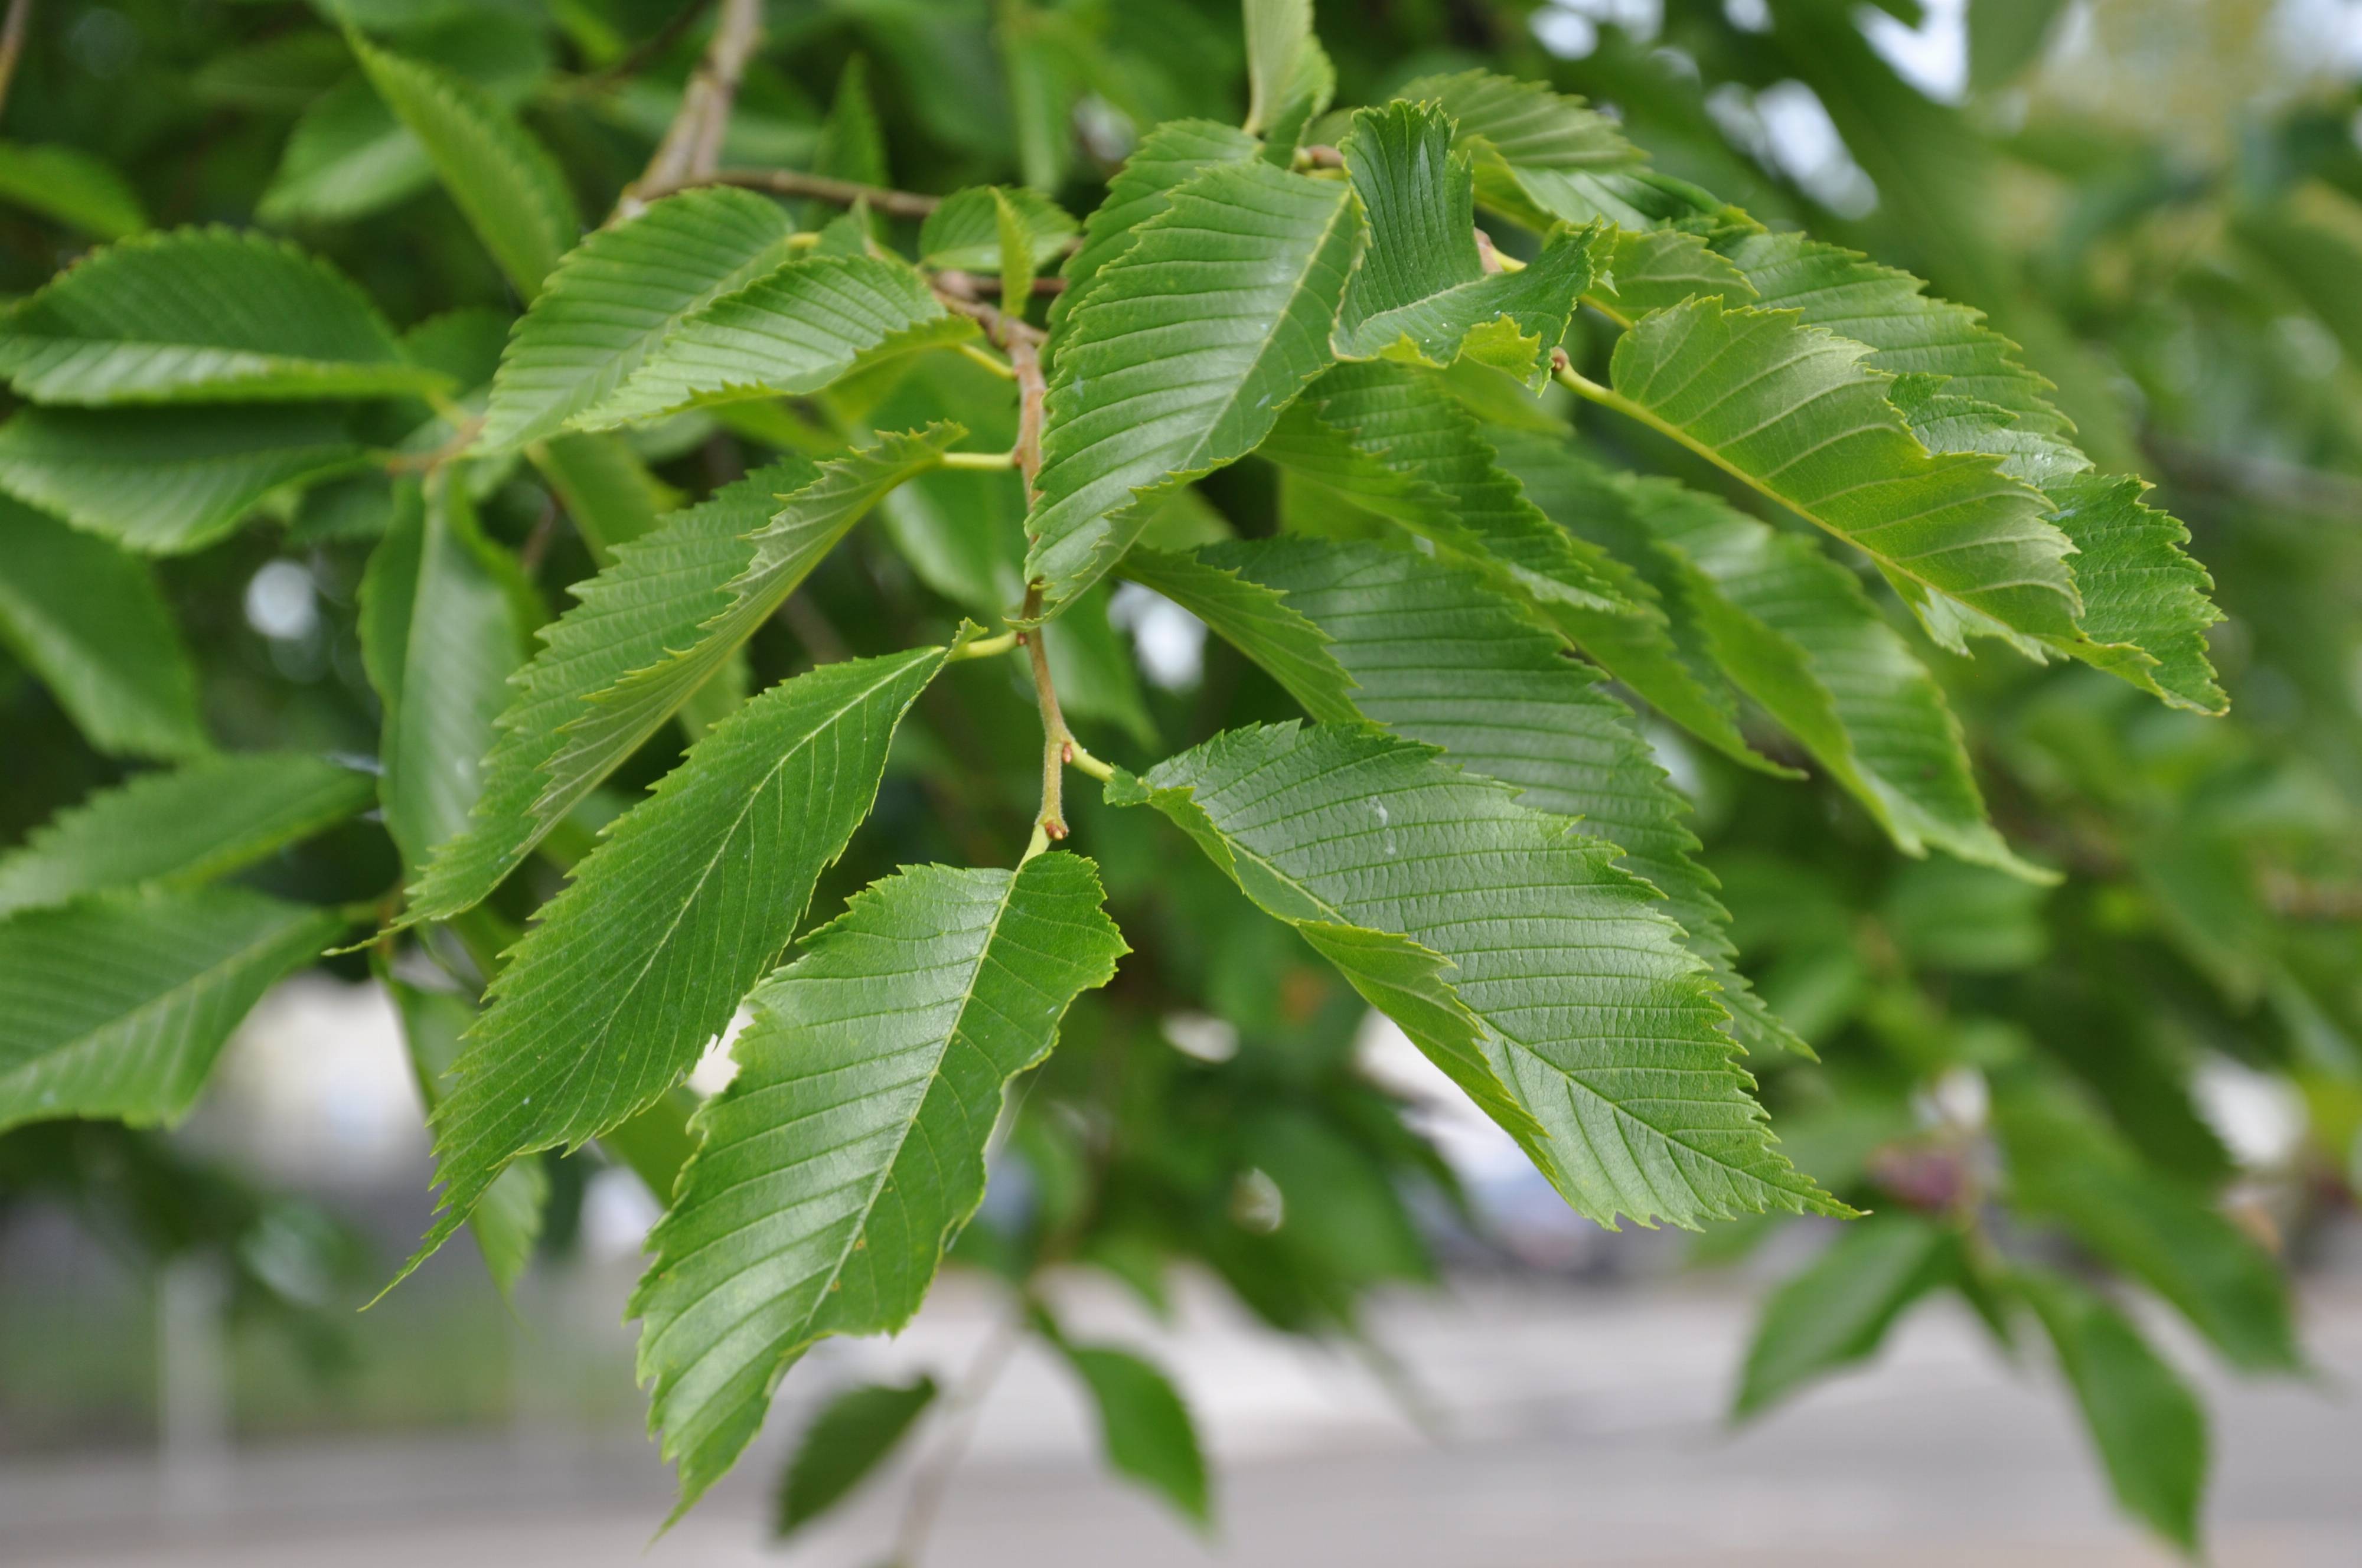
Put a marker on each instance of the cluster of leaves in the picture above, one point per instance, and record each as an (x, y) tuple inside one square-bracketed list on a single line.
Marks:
[(1509, 513)]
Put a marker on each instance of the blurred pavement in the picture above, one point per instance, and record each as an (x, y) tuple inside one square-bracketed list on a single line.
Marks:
[(1576, 1426)]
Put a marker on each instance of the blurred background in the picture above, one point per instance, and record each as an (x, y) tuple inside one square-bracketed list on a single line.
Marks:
[(1398, 1345)]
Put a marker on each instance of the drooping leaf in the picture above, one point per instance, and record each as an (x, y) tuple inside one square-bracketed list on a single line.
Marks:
[(441, 635), (1395, 442), (1837, 1311), (115, 1006), (87, 620), (849, 1149), (1794, 631), (181, 828), (1189, 344), (506, 183), (2064, 1167), (1436, 656), (1421, 294), (1166, 159), (1791, 410), (2144, 610), (614, 297), (649, 633), (203, 315), (2147, 1425), (641, 958), (965, 232), (72, 187), (507, 1223), (1602, 1026), (346, 157), (1144, 1426), (853, 1434), (1662, 654), (168, 480), (807, 323)]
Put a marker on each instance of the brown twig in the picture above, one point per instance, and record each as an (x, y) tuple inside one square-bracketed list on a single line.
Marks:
[(637, 59), (819, 187), (692, 148), (935, 1477), (2318, 492), (463, 436), (11, 43), (967, 282)]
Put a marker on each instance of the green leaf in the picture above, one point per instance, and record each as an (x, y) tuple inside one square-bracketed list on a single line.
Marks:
[(965, 232), (2142, 593), (1436, 656), (1258, 621), (642, 958), (440, 636), (1144, 1426), (1662, 654), (608, 492), (1279, 32), (1908, 332), (1187, 347), (1421, 294), (656, 1143), (2145, 608), (506, 184), (1015, 249), (2064, 1167), (1795, 632), (853, 1434), (1602, 1026), (808, 322), (1395, 442), (852, 143), (181, 828), (70, 185), (349, 156), (1790, 410), (1652, 269), (1166, 159), (614, 297), (203, 315), (1837, 1311), (648, 634), (849, 1149), (86, 619), (2148, 1427), (2007, 36), (166, 481), (1542, 158), (507, 1223), (115, 1006)]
